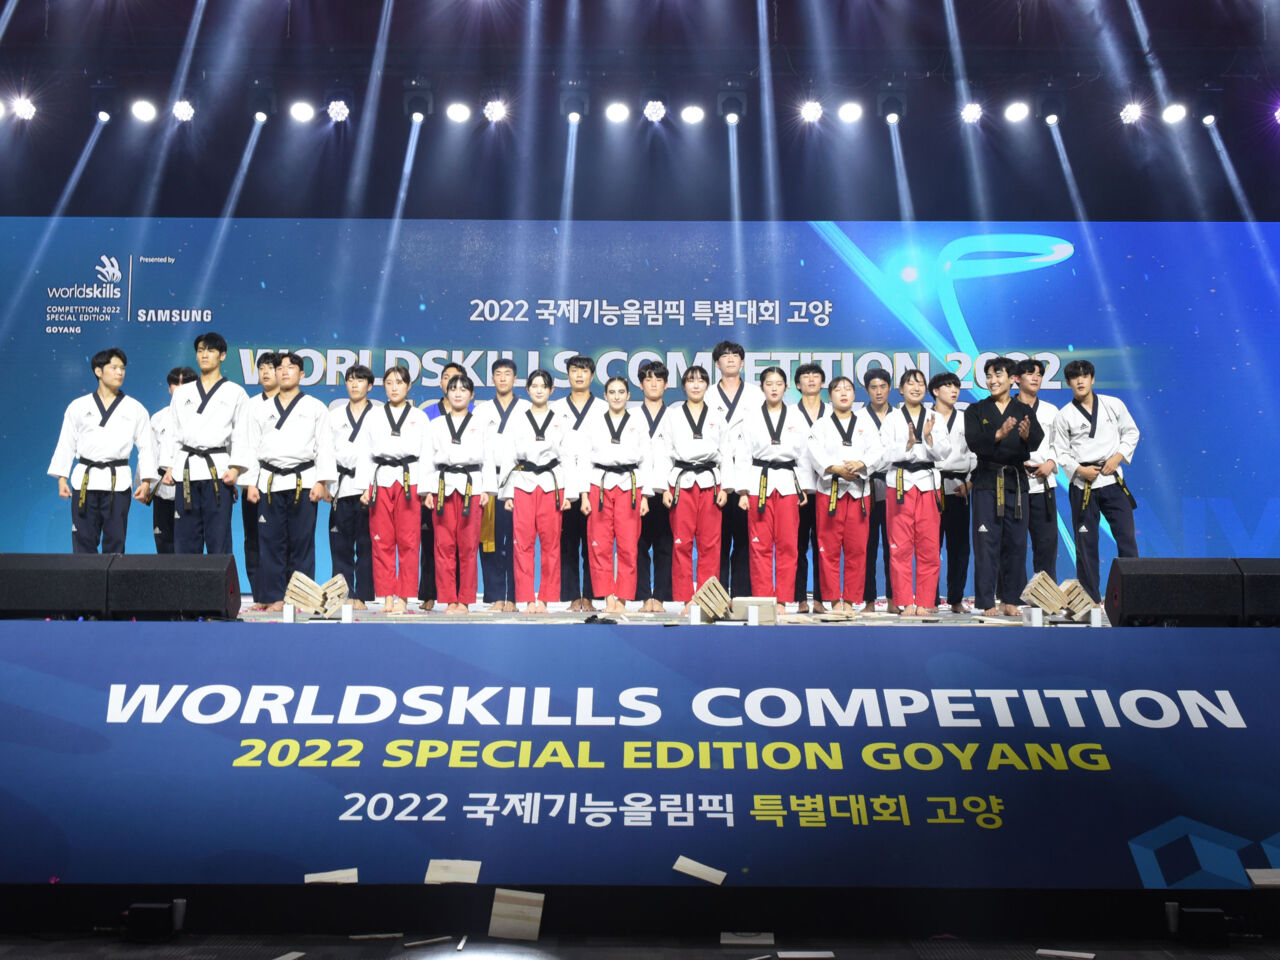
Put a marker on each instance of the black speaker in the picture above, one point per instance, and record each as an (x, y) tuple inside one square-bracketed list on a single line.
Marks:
[(1261, 591), (56, 585), (1178, 592), (173, 587)]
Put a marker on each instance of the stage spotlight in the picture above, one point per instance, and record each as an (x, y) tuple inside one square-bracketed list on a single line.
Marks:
[(262, 99), (1277, 115), (143, 110), (338, 111), (104, 117), (1208, 119), (495, 111), (693, 114), (811, 111), (23, 108), (260, 117), (850, 112), (891, 106), (1, 109), (302, 112), (418, 98), (617, 112), (575, 101), (1174, 113), (1017, 111), (1131, 113), (184, 111), (458, 112), (1051, 119), (417, 116), (971, 112), (655, 111), (732, 105)]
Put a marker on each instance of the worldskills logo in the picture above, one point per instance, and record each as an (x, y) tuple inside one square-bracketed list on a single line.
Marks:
[(109, 276)]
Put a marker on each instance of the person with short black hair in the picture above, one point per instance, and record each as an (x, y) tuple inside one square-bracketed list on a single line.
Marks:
[(614, 476), (99, 431), (427, 540), (206, 454), (956, 484), (809, 379), (843, 451), (539, 486), (391, 449), (653, 577), (497, 565), (913, 448), (293, 455), (692, 457), (350, 543), (732, 398), (1093, 435), (768, 448), (878, 384), (267, 361), (1001, 432), (575, 554), (1042, 472), (460, 478), (162, 496)]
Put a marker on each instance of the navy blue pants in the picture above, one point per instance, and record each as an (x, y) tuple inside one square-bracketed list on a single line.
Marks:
[(1110, 502), (806, 547), (105, 518), (877, 535), (653, 577), (249, 520), (206, 527), (427, 558), (999, 549), (286, 542), (954, 535), (1043, 527), (351, 547), (162, 524), (498, 568), (575, 562), (735, 549)]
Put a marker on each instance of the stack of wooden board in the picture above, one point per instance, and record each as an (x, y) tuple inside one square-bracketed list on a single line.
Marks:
[(318, 599)]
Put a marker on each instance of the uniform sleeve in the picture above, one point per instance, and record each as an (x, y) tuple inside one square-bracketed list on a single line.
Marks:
[(1036, 436), (1067, 461), (144, 439), (489, 465), (981, 441), (244, 448), (816, 452), (428, 475), (660, 455), (1128, 429), (364, 461), (873, 453), (734, 468), (326, 458), (64, 454), (169, 446), (940, 449)]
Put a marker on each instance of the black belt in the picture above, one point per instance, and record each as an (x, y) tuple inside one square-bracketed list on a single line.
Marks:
[(1001, 470), (688, 466), (960, 475), (346, 472), (903, 466), (528, 466), (207, 453), (627, 468), (294, 471), (834, 497), (100, 465), (1088, 487), (401, 462), (466, 469), (765, 466)]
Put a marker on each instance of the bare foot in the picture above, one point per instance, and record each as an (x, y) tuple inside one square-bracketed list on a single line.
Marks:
[(537, 606), (456, 610), (277, 607), (614, 605), (992, 612), (587, 605), (498, 606), (1010, 610), (358, 605), (926, 611), (802, 606), (957, 608), (684, 611), (893, 608), (510, 606), (869, 607), (818, 607), (395, 606), (427, 606), (908, 611)]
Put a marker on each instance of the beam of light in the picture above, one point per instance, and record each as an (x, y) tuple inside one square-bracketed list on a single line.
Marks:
[(228, 208), (565, 228), (52, 223), (368, 117), (7, 16), (964, 97), (530, 67), (1117, 67), (393, 237), (1242, 201), (768, 124), (906, 210), (735, 208)]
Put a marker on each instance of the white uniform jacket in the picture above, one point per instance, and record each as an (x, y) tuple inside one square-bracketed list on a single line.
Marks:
[(609, 461), (456, 456), (345, 428), (283, 439), (388, 435), (684, 448), (211, 420), (896, 459), (809, 479), (530, 443), (92, 432), (827, 447), (1079, 438), (961, 461), (753, 445), (1045, 413)]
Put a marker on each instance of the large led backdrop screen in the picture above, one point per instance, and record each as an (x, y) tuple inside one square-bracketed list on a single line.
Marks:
[(1179, 318)]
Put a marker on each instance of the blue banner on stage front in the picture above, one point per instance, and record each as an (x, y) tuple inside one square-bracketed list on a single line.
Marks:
[(165, 753)]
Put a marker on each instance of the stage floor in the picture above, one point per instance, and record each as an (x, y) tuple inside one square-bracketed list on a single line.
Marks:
[(559, 614)]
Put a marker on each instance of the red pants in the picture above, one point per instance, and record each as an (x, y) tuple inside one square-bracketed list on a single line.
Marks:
[(536, 520), (774, 531), (457, 538), (395, 524), (845, 530), (694, 517), (913, 532), (616, 520)]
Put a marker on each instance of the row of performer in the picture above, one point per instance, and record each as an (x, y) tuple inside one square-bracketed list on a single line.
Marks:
[(611, 498)]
